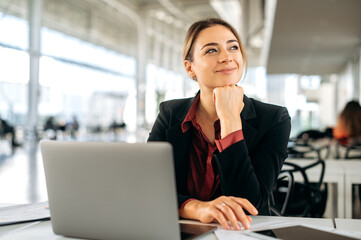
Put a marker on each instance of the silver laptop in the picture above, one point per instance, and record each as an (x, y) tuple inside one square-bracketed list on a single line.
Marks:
[(102, 190)]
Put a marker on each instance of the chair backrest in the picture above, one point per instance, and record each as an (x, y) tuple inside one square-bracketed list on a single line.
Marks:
[(279, 206), (348, 151), (308, 199)]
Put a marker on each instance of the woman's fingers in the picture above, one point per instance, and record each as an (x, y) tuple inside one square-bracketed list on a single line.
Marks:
[(233, 209), (229, 212), (218, 215), (240, 215), (228, 100), (245, 204)]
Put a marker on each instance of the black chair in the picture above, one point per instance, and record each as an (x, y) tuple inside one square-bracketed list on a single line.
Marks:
[(352, 149), (349, 151), (307, 199), (279, 203)]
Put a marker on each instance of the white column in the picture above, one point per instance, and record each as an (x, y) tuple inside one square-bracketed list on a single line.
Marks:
[(35, 15), (141, 70)]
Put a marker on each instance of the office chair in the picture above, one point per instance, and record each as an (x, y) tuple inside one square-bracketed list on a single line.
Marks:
[(307, 199), (349, 151), (352, 149), (279, 202)]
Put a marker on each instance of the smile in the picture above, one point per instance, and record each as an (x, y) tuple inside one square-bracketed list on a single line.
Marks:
[(226, 70)]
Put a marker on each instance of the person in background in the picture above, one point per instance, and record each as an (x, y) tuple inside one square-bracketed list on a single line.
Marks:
[(73, 127), (348, 127), (6, 128), (51, 127), (228, 149)]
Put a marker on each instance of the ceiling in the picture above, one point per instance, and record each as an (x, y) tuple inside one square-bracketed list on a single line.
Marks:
[(314, 37), (305, 36)]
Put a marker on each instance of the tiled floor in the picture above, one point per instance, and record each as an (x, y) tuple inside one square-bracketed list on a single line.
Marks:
[(21, 174), (22, 177)]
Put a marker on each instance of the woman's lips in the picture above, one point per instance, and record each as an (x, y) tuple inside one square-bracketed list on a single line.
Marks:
[(226, 70)]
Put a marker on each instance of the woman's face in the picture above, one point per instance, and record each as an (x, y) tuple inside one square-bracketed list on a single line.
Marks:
[(217, 58)]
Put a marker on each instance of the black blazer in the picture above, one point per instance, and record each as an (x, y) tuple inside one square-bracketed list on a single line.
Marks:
[(247, 169)]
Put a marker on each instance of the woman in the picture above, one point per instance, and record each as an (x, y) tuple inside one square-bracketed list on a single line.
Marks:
[(348, 126), (228, 149)]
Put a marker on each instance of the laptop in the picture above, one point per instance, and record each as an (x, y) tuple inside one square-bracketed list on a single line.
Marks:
[(104, 190)]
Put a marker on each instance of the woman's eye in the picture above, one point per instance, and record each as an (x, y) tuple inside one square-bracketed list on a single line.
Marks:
[(212, 50), (235, 47)]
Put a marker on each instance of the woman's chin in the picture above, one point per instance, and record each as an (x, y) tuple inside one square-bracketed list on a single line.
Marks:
[(228, 83)]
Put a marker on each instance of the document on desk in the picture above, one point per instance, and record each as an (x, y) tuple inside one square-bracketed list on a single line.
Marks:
[(287, 231), (24, 213), (222, 233)]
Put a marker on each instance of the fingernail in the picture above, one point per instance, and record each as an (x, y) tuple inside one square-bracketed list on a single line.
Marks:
[(248, 225)]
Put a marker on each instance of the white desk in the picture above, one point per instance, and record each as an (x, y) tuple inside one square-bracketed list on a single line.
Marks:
[(43, 230), (334, 173), (320, 222), (348, 224), (352, 170)]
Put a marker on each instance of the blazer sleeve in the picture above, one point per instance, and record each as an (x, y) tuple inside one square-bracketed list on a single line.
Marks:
[(252, 175), (158, 133), (160, 126)]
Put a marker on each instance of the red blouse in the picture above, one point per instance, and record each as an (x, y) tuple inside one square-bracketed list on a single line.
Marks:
[(203, 177)]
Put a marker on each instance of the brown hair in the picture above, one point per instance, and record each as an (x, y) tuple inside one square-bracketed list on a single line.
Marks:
[(197, 27), (351, 117)]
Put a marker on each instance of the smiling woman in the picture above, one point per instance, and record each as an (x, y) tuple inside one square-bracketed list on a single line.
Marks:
[(228, 148)]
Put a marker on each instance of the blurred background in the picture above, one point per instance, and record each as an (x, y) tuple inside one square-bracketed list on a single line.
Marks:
[(96, 70)]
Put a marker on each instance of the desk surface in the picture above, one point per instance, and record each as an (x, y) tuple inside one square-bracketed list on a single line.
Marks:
[(43, 230), (348, 224)]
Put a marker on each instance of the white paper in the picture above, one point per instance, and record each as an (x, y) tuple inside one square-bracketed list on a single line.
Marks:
[(222, 233)]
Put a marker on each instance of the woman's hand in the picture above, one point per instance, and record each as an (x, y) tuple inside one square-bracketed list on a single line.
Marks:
[(229, 104), (223, 209)]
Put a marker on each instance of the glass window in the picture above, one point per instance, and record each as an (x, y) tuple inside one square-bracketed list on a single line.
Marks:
[(14, 31), (59, 45)]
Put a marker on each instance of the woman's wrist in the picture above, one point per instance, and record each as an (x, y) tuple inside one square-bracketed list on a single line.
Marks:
[(190, 210), (230, 125)]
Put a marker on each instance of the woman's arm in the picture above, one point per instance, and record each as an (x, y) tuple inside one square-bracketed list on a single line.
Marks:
[(252, 175), (158, 133), (246, 178)]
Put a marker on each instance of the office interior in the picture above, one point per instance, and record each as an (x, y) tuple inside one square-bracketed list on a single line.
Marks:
[(96, 70)]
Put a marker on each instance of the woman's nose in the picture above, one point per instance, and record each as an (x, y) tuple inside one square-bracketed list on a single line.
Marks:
[(225, 56)]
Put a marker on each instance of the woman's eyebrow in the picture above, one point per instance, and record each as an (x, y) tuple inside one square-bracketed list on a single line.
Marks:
[(215, 44), (209, 44), (232, 40)]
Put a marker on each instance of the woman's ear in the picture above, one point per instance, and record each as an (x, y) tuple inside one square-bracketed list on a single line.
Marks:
[(188, 67)]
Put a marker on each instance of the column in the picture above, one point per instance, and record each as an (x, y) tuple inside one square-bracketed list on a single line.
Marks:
[(141, 71), (35, 15)]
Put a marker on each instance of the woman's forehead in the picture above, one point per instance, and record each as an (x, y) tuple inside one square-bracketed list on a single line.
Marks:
[(216, 34)]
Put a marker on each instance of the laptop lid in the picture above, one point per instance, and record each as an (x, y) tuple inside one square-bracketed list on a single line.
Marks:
[(111, 190)]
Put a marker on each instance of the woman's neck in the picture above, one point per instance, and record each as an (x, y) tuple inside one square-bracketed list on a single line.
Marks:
[(206, 105)]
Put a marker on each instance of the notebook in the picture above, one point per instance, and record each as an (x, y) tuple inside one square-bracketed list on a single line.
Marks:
[(103, 190)]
